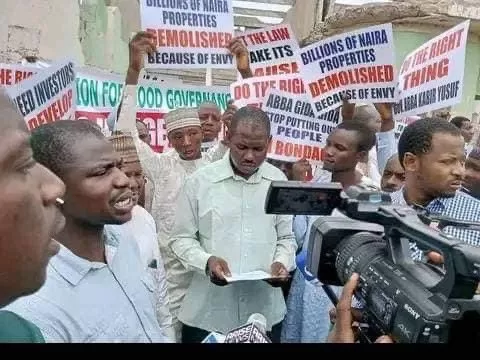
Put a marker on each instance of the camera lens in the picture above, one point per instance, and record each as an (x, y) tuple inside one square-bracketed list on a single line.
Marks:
[(355, 252)]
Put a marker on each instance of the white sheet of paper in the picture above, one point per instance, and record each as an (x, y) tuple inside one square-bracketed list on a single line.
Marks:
[(249, 276)]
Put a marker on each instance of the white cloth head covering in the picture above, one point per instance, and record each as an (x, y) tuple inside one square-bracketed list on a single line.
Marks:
[(180, 118)]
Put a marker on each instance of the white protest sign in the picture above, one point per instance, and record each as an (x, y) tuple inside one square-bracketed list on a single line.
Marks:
[(272, 50), (47, 96), (252, 91), (189, 34), (431, 77), (358, 64), (12, 74), (296, 132)]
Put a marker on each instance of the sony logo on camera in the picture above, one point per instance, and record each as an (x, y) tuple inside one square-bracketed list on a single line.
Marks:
[(411, 311)]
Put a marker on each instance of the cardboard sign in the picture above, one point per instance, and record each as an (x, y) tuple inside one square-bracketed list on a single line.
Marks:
[(431, 77), (272, 50), (13, 74), (358, 65), (47, 96), (252, 91), (296, 132), (189, 34)]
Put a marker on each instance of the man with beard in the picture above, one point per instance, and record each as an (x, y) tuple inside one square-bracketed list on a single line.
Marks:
[(142, 228), (94, 292), (29, 220), (432, 153), (221, 227)]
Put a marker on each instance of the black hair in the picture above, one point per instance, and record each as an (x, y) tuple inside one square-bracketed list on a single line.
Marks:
[(366, 136), (459, 120), (52, 143), (252, 116), (417, 137)]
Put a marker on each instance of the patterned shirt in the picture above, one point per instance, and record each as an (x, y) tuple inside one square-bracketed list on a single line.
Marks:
[(461, 207)]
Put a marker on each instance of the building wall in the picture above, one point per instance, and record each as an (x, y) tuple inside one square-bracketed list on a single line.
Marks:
[(103, 39), (48, 29)]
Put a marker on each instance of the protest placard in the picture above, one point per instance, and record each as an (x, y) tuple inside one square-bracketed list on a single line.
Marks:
[(189, 33), (98, 94), (272, 50), (12, 74), (431, 77), (154, 101), (47, 96), (296, 132), (358, 65), (252, 91)]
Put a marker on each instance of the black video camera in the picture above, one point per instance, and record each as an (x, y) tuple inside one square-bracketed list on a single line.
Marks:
[(412, 301)]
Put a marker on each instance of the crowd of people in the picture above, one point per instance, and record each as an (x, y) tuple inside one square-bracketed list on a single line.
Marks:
[(104, 240)]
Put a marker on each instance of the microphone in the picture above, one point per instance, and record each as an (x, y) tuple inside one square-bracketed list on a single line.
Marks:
[(253, 332), (301, 261)]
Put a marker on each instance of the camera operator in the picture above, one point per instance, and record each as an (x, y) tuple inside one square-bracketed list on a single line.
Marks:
[(432, 153), (343, 330)]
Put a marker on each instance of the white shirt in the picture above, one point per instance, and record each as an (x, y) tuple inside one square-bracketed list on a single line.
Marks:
[(169, 172), (222, 214), (86, 302), (142, 228)]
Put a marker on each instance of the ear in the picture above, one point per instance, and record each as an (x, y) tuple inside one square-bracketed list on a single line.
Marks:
[(228, 136), (362, 156), (269, 142), (410, 162)]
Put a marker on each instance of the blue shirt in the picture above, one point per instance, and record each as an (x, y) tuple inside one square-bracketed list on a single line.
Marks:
[(84, 301), (461, 207)]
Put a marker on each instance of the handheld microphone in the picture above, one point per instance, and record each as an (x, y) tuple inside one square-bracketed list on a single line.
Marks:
[(253, 332)]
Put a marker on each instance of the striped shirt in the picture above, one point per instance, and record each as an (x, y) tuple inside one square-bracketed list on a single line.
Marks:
[(460, 207)]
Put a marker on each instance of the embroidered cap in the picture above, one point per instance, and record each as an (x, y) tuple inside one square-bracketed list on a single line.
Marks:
[(180, 118), (125, 146)]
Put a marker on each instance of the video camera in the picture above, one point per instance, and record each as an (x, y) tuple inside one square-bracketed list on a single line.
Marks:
[(412, 301)]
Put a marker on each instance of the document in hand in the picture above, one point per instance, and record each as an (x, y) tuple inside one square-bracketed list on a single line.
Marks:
[(249, 276)]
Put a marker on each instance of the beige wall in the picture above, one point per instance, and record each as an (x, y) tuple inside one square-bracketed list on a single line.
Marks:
[(48, 29), (303, 16)]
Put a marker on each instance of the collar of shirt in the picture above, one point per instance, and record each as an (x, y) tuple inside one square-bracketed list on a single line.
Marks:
[(439, 204), (74, 268), (224, 171)]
